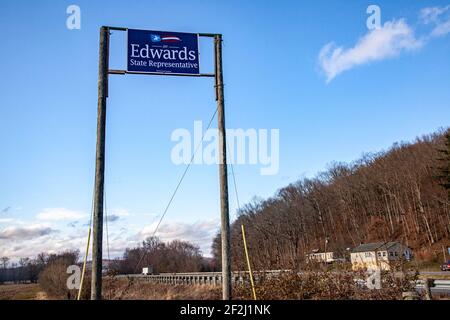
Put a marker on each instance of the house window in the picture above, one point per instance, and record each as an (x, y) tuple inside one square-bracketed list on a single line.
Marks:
[(384, 253), (391, 254), (368, 254), (379, 254), (396, 253)]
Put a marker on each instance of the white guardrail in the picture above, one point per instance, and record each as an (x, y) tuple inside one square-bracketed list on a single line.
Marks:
[(199, 278), (215, 278), (438, 285)]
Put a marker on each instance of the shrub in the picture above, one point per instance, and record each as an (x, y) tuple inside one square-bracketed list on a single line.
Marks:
[(53, 279), (326, 286)]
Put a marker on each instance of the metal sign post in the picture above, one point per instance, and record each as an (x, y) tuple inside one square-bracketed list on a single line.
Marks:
[(158, 53)]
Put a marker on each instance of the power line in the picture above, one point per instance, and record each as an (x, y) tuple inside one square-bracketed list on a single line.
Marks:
[(87, 248), (235, 186), (106, 223), (179, 183)]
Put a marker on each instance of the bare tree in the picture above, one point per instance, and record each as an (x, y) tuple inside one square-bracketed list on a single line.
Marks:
[(175, 256), (399, 194), (5, 261)]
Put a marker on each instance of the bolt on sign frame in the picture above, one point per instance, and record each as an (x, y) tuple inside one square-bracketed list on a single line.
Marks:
[(104, 72)]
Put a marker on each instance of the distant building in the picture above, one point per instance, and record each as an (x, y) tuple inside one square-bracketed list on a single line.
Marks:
[(379, 255), (324, 257)]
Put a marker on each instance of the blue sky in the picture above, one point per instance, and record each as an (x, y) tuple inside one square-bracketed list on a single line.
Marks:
[(331, 102)]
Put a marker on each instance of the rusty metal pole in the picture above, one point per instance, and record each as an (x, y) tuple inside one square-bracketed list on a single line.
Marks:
[(224, 208), (96, 284)]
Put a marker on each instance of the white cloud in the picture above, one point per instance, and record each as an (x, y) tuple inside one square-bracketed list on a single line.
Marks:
[(432, 14), (27, 240), (441, 29), (5, 210), (26, 232), (6, 220), (439, 17), (117, 214), (120, 212), (112, 218), (20, 242), (56, 214), (386, 42), (52, 242)]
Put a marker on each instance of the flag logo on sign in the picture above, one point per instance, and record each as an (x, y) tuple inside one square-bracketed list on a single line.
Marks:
[(155, 38), (165, 38), (170, 38)]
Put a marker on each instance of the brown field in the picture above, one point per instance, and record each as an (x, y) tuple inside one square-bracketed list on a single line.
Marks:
[(135, 290), (119, 290), (21, 292)]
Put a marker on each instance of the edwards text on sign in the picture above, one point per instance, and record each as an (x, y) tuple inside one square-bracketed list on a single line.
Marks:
[(162, 52)]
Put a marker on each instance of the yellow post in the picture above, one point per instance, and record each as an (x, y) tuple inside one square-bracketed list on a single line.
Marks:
[(248, 263), (84, 264)]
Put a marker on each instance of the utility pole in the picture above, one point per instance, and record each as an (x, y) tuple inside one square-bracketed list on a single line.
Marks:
[(96, 284), (224, 209)]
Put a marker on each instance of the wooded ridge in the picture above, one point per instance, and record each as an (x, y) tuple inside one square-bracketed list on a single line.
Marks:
[(399, 194)]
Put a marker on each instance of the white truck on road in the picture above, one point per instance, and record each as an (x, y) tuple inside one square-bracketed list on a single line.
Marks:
[(147, 271)]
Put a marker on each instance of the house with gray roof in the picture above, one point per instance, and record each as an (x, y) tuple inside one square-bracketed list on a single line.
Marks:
[(379, 255)]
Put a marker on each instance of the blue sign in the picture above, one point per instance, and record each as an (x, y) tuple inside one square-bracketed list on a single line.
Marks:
[(162, 52)]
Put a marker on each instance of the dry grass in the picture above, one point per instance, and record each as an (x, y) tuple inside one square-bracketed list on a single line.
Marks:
[(288, 286), (123, 289), (435, 276), (21, 292), (325, 286), (311, 286)]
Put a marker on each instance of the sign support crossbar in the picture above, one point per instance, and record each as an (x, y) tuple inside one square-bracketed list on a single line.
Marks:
[(124, 72), (104, 72)]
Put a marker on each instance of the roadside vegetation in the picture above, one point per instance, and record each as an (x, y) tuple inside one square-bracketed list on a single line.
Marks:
[(328, 286), (53, 278)]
